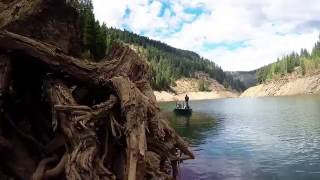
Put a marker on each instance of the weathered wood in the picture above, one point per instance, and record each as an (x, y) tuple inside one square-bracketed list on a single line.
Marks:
[(16, 9), (135, 111), (81, 138), (125, 75), (38, 19), (104, 140), (40, 171), (124, 61), (57, 170)]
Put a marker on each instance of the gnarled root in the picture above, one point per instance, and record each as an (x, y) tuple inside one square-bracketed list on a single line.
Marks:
[(126, 125), (78, 124)]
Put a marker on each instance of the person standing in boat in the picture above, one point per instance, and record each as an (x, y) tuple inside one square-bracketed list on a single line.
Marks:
[(186, 98)]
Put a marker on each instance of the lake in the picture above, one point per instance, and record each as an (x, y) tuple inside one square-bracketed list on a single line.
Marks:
[(251, 138)]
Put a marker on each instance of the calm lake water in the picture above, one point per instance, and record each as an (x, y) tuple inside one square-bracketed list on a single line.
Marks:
[(252, 138)]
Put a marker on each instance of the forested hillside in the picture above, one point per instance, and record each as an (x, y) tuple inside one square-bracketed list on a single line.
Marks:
[(303, 62), (167, 63), (247, 78)]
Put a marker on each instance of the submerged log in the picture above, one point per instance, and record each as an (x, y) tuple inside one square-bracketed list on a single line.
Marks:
[(99, 120)]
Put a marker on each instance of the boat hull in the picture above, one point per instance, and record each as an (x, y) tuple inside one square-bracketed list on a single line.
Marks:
[(183, 111)]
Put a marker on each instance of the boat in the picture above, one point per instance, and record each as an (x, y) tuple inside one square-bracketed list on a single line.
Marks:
[(183, 111)]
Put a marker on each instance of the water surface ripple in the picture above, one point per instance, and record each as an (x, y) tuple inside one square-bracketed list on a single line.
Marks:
[(252, 138)]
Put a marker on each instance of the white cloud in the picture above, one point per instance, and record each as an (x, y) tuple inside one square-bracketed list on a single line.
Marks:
[(110, 12), (269, 28), (261, 52)]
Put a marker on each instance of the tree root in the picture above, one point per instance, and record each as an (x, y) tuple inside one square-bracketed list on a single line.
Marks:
[(40, 171), (43, 173), (27, 137), (108, 140), (57, 170)]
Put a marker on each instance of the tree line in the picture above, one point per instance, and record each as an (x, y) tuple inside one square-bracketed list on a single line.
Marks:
[(302, 62), (93, 34), (167, 63)]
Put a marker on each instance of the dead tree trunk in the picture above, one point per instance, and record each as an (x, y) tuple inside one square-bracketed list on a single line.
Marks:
[(101, 118)]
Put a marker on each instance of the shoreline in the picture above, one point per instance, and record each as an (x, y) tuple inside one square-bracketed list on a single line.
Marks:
[(291, 84), (164, 96)]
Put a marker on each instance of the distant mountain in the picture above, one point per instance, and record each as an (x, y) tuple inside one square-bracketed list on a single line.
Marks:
[(304, 63), (292, 74), (247, 78), (167, 63)]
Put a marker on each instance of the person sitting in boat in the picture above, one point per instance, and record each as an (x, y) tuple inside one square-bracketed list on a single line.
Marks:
[(178, 105), (186, 98)]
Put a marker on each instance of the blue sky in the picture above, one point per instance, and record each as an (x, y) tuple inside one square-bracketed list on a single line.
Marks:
[(236, 34)]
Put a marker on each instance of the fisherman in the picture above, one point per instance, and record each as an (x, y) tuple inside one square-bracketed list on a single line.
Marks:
[(186, 98)]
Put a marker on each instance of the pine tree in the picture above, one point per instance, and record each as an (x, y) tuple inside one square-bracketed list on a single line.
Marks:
[(168, 63), (93, 35)]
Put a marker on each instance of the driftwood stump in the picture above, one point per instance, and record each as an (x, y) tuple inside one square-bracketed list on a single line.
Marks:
[(77, 119)]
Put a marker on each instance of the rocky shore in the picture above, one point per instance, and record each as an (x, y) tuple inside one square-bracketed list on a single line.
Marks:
[(292, 84), (190, 86)]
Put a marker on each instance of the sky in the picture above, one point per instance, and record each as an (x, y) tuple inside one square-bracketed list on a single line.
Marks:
[(235, 34)]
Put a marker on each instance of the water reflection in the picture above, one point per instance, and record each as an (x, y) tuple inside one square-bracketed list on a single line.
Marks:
[(257, 138), (193, 127)]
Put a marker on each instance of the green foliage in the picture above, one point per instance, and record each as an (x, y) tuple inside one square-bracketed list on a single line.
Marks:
[(93, 35), (168, 63), (303, 67), (203, 86), (316, 49), (287, 64)]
